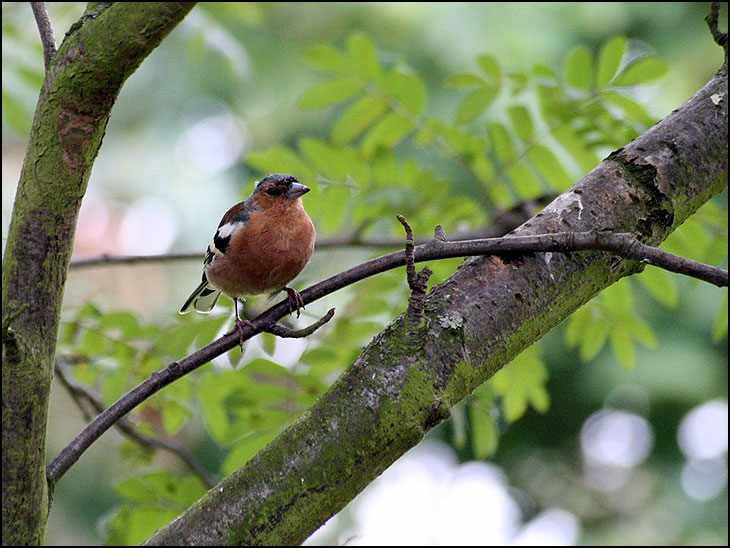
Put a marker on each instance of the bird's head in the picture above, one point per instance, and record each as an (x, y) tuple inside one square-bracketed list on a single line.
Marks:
[(278, 188)]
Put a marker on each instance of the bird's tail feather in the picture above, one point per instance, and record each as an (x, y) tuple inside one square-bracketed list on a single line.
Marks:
[(203, 299)]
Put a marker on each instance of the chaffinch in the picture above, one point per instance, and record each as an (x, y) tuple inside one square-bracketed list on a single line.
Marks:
[(260, 246)]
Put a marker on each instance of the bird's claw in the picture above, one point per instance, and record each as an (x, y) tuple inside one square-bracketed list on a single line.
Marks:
[(295, 300), (239, 327)]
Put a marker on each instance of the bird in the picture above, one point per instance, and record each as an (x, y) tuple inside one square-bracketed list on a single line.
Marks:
[(261, 245)]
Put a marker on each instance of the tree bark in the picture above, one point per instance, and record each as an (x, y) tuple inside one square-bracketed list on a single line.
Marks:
[(83, 79), (487, 312)]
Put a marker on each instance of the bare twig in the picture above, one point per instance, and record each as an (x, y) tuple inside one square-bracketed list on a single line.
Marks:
[(285, 332), (417, 281), (80, 394), (46, 32), (712, 22), (503, 222), (410, 263), (624, 245)]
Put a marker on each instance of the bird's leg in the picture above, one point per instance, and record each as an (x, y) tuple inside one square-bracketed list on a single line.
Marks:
[(240, 323), (295, 300)]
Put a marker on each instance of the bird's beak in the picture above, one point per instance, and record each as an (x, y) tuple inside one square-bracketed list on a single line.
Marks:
[(296, 190)]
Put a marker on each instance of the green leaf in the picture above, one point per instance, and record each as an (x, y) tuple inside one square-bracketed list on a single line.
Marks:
[(522, 381), (458, 426), (623, 346), (660, 284), (719, 329), (93, 343), (490, 67), (327, 58), (483, 168), (539, 398), (161, 487), (641, 331), (522, 122), (524, 182), (633, 110), (363, 57), (115, 384), (579, 68), (212, 392), (501, 142), (335, 163), (387, 133), (586, 158), (357, 118), (618, 299), (174, 416), (328, 93), (15, 114), (594, 337), (408, 89), (609, 60), (515, 405), (549, 167), (475, 103), (642, 71), (280, 159), (334, 200), (125, 322), (268, 342), (576, 324), (465, 80), (484, 434), (132, 525)]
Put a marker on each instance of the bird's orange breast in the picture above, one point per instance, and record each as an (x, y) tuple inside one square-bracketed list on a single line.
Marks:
[(267, 253)]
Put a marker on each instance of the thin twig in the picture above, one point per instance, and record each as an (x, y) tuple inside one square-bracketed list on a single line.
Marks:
[(417, 281), (410, 263), (712, 22), (80, 394), (46, 32), (287, 333), (504, 222), (624, 245)]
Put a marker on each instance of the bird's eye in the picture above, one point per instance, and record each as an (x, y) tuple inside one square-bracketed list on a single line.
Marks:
[(273, 191)]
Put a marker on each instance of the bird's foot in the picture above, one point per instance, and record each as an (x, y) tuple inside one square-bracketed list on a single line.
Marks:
[(239, 327), (295, 300)]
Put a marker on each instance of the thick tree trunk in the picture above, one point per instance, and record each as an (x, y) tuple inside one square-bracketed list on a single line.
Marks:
[(82, 82), (491, 309)]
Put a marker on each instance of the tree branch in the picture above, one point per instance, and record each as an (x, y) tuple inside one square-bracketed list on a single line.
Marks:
[(285, 332), (46, 32), (80, 393), (503, 223)]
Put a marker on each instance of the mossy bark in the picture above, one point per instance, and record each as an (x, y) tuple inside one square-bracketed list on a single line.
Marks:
[(83, 80), (491, 309)]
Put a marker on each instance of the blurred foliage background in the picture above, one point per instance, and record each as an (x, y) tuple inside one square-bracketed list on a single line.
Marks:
[(447, 113)]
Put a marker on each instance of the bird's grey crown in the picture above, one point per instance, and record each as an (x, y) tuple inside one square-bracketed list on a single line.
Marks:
[(278, 179)]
